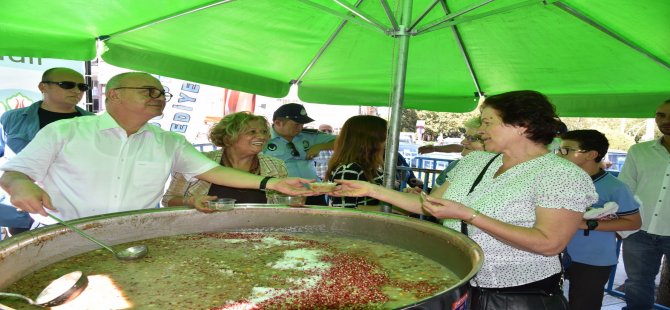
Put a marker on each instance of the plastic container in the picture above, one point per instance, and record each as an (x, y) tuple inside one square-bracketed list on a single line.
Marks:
[(291, 201), (222, 204), (322, 187)]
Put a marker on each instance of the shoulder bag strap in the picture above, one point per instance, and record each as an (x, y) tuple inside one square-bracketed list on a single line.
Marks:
[(464, 226)]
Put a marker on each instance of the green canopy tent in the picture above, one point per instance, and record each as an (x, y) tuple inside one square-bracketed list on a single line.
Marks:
[(592, 57), (607, 58)]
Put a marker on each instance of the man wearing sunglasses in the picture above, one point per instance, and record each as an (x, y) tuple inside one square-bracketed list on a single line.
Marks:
[(62, 89), (116, 161)]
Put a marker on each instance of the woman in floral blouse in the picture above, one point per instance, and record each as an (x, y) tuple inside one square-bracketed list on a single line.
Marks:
[(523, 210)]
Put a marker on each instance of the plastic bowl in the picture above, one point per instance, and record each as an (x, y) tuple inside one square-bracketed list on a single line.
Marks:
[(291, 201), (222, 204), (322, 187)]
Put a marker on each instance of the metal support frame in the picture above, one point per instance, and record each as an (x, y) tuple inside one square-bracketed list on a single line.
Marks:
[(89, 82), (369, 19), (434, 25), (323, 48), (160, 20), (466, 58), (425, 12), (447, 22), (397, 96), (347, 17), (389, 15)]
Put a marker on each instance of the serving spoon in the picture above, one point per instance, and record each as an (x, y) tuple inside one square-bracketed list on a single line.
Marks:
[(58, 292), (130, 253)]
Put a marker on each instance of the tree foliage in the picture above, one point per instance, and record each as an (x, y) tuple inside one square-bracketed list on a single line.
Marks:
[(621, 132), (444, 123)]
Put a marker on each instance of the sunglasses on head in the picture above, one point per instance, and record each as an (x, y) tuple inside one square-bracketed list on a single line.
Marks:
[(69, 85)]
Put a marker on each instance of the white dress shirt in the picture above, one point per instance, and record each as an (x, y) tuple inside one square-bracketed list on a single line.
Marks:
[(647, 172), (89, 166)]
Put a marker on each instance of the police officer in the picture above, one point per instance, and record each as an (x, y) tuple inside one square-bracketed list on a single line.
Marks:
[(297, 146)]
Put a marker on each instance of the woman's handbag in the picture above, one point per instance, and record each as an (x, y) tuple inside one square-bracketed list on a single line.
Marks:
[(532, 299)]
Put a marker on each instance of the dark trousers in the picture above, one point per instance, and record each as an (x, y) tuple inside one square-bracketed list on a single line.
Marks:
[(587, 285), (319, 200)]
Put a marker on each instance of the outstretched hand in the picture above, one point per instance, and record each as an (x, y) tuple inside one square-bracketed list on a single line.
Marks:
[(413, 190), (351, 188), (442, 208), (311, 153), (292, 186), (200, 203), (31, 198)]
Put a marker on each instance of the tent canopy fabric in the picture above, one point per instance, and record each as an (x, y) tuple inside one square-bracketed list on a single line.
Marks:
[(592, 58)]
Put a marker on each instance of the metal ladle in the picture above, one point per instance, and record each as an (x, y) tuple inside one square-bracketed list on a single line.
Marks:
[(58, 292), (130, 253)]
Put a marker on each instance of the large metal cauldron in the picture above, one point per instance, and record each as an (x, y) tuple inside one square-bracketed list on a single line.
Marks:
[(25, 253)]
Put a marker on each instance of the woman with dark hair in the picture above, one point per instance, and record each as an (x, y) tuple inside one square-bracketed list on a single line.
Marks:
[(358, 155), (521, 203), (241, 137)]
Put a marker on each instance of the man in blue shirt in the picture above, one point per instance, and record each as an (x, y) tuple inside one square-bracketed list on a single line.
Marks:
[(592, 250), (62, 89), (297, 146)]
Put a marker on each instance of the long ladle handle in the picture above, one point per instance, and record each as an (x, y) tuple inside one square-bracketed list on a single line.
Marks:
[(30, 301), (83, 234)]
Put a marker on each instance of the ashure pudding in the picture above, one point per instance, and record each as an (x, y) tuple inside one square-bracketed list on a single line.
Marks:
[(232, 270)]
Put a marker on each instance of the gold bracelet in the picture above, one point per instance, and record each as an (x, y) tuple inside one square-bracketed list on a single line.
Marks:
[(473, 216)]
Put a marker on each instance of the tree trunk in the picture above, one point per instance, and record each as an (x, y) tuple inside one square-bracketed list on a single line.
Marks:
[(664, 287)]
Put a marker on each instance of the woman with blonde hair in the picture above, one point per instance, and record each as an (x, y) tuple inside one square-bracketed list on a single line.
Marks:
[(241, 137), (358, 155)]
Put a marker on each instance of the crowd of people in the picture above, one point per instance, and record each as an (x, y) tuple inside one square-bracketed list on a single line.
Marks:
[(541, 208)]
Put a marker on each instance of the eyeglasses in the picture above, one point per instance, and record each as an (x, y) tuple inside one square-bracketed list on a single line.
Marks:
[(326, 131), (567, 150), (69, 85), (294, 151), (154, 93), (471, 138)]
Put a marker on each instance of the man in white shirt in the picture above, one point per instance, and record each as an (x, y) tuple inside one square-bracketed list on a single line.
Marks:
[(647, 173), (115, 161)]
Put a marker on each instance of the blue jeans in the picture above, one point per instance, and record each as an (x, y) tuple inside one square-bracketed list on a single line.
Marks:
[(642, 254), (11, 217)]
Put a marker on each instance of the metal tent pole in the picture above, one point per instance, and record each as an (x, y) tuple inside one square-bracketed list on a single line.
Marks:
[(397, 97)]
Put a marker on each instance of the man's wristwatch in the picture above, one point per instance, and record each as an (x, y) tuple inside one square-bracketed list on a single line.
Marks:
[(592, 224)]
